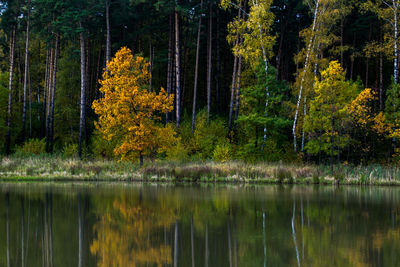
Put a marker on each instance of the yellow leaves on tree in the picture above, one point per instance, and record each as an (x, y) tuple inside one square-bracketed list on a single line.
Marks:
[(361, 112), (254, 29), (128, 112)]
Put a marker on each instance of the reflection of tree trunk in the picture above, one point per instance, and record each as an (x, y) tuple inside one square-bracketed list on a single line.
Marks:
[(235, 248), (22, 232), (229, 242), (80, 232), (192, 239), (206, 253), (302, 229), (8, 227), (50, 207), (294, 234), (165, 245), (176, 245), (264, 238)]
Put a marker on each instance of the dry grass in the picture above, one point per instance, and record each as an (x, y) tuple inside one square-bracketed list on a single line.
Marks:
[(58, 168)]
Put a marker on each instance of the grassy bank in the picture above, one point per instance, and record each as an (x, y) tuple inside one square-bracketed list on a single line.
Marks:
[(59, 168)]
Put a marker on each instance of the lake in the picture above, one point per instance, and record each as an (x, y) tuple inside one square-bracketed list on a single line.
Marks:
[(121, 224)]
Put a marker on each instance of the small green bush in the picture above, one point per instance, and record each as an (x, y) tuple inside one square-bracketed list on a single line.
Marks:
[(177, 153), (101, 147), (222, 152), (70, 150), (32, 147)]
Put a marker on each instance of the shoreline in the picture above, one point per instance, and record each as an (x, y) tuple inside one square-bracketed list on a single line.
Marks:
[(59, 169)]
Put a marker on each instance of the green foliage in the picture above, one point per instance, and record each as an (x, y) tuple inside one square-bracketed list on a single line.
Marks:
[(177, 153), (70, 150), (102, 148), (392, 110), (254, 116), (3, 105), (222, 152), (206, 136), (32, 147), (328, 115), (66, 117)]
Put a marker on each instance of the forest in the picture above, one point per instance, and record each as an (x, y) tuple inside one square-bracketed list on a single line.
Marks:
[(189, 80)]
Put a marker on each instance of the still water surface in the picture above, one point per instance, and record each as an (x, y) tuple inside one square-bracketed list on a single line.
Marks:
[(157, 225)]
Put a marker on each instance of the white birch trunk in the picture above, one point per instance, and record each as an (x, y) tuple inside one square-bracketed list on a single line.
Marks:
[(303, 76), (395, 71)]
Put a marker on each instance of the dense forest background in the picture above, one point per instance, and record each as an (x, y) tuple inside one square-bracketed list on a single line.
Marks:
[(252, 80)]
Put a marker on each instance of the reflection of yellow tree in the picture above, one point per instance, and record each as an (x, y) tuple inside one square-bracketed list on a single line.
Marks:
[(126, 236)]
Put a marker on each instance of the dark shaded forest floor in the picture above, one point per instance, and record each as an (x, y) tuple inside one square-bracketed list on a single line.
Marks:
[(57, 168)]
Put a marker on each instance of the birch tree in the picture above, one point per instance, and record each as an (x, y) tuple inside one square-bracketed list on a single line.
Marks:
[(318, 37), (26, 71), (255, 26), (388, 11), (196, 72)]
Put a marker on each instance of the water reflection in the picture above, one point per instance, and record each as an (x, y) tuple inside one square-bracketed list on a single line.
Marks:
[(152, 225)]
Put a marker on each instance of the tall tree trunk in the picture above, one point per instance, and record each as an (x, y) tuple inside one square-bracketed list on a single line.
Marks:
[(53, 93), (218, 64), (380, 81), (177, 69), (82, 119), (395, 71), (25, 75), (98, 75), (44, 106), (196, 70), (30, 103), (235, 62), (239, 79), (209, 60), (303, 76), (281, 39), (108, 41), (341, 41), (10, 83), (151, 64), (170, 59), (49, 97)]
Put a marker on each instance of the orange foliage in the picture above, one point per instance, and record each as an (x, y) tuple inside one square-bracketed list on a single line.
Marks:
[(128, 111), (361, 112)]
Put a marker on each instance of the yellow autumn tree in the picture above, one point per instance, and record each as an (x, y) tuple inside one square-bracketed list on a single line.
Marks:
[(361, 112), (129, 113)]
